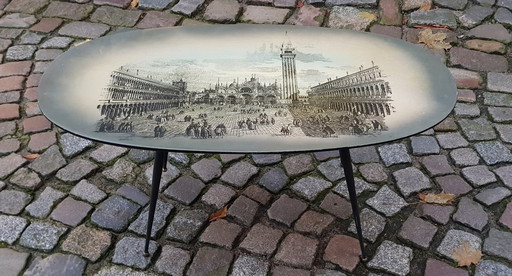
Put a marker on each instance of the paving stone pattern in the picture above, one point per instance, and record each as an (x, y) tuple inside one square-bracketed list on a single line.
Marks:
[(81, 207)]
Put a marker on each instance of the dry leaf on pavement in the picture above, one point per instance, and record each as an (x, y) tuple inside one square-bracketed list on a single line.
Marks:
[(465, 255), (427, 5), (433, 41), (222, 213), (367, 15), (442, 198), (134, 3), (300, 4), (31, 156)]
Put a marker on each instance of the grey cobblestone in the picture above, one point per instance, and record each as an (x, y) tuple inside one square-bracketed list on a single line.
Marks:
[(218, 195), (500, 114), (348, 18), (471, 214), (50, 161), (72, 144), (488, 267), (122, 171), (274, 180), (493, 195), (478, 175), (286, 210), (221, 233), (68, 10), (162, 211), (187, 7), (298, 164), (17, 20), (166, 178), (373, 172), (76, 170), (186, 225), (238, 174), (88, 192), (244, 210), (57, 264), (394, 154), (505, 175), (386, 202), (464, 157), (207, 169), (332, 169), (411, 180), (172, 260), (114, 213), (454, 238), (210, 260), (11, 228), (129, 252), (452, 140), (87, 242), (361, 187), (26, 178), (249, 265), (493, 152), (310, 187), (372, 224), (41, 207), (12, 262), (424, 145), (262, 239), (499, 243), (42, 236), (13, 202), (392, 258), (364, 155), (185, 189), (107, 153)]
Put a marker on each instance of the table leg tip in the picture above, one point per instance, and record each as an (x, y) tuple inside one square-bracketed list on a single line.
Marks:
[(146, 254), (364, 259), (164, 170)]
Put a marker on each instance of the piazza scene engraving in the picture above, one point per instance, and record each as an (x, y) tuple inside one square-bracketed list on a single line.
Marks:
[(143, 103)]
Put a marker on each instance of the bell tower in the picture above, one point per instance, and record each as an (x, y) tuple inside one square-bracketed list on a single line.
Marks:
[(290, 88)]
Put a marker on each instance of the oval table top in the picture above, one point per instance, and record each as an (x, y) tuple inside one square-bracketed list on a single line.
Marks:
[(246, 89)]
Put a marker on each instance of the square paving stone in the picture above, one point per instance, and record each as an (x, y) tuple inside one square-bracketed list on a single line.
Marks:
[(274, 180), (364, 155), (386, 202), (42, 206), (361, 187), (166, 178), (57, 264), (310, 187), (12, 262), (11, 228), (297, 250), (437, 165), (10, 163), (478, 175), (422, 145), (250, 265), (286, 210), (343, 251), (107, 153), (464, 157), (133, 193), (172, 260), (488, 267), (454, 239), (373, 172), (298, 164), (332, 169), (312, 222), (394, 154), (392, 258), (499, 243), (418, 231), (129, 251), (289, 271), (506, 216), (115, 16), (372, 224), (87, 242), (337, 206), (505, 132), (491, 196), (210, 261), (13, 202), (72, 145), (221, 233), (438, 213), (76, 170), (325, 155), (262, 239), (411, 180), (41, 235), (88, 192), (243, 210), (114, 213), (121, 172), (162, 211), (48, 162), (453, 184), (435, 268), (505, 175), (218, 195), (266, 159), (493, 152), (238, 174), (186, 224), (471, 214), (70, 211), (258, 194), (451, 140), (185, 189), (207, 169)]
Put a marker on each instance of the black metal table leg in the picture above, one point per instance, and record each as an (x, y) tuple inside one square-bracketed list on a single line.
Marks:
[(159, 163), (346, 162)]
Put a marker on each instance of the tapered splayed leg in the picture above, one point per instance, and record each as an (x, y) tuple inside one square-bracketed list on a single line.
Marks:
[(346, 162), (159, 164)]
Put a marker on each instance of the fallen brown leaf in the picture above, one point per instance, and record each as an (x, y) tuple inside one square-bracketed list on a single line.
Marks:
[(427, 5), (368, 15), (442, 198), (433, 41), (31, 156), (222, 213), (300, 4), (134, 3), (465, 255)]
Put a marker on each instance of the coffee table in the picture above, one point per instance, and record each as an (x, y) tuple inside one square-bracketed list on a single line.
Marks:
[(246, 89)]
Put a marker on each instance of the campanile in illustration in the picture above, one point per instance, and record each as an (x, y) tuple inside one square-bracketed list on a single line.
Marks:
[(290, 90)]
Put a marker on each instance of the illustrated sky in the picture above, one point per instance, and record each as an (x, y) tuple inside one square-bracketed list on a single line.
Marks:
[(263, 62)]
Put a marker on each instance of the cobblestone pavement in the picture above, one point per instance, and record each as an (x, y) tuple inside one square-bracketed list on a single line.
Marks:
[(81, 207)]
